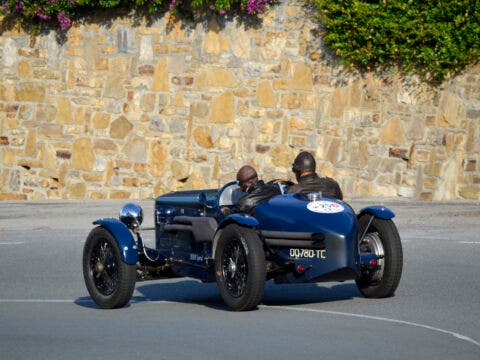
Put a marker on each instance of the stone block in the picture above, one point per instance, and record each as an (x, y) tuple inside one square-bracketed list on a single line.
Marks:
[(9, 157), (114, 87), (469, 192), (83, 156), (281, 84), (120, 128), (24, 69), (451, 111), (270, 127), (160, 76), (392, 133), (64, 111), (262, 149), (221, 77), (30, 91), (199, 109), (63, 154), (223, 108), (148, 102), (123, 164), (265, 95), (240, 43), (119, 194), (12, 196), (212, 42), (470, 165), (274, 45), (291, 101), (50, 131), (77, 190), (158, 158), (101, 121), (302, 77), (335, 150), (135, 150), (180, 170), (203, 137), (48, 156), (282, 155), (195, 181)]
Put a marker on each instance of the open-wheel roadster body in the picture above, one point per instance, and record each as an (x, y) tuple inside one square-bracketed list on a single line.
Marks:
[(290, 238)]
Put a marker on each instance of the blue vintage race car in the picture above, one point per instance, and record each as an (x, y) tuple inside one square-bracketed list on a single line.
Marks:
[(291, 238)]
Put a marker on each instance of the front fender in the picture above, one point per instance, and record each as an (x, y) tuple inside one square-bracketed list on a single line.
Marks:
[(380, 212), (124, 238), (239, 219)]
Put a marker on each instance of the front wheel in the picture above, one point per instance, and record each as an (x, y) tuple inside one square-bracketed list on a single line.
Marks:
[(381, 239), (240, 268), (110, 282)]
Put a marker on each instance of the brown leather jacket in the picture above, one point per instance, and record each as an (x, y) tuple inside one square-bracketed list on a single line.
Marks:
[(312, 182)]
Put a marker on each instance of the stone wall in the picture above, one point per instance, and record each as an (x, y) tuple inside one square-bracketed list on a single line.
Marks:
[(131, 110)]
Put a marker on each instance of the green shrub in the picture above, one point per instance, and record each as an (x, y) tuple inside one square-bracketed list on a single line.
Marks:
[(433, 39)]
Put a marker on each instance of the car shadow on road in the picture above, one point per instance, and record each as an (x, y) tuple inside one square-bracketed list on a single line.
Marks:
[(196, 292)]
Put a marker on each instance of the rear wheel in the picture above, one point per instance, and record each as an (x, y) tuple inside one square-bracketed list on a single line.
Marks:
[(110, 282), (382, 239), (240, 268)]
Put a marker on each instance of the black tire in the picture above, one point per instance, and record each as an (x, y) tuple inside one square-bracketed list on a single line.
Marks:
[(110, 282), (382, 236), (240, 268)]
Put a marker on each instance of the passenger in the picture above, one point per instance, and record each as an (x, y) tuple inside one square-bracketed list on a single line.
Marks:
[(256, 190), (308, 181)]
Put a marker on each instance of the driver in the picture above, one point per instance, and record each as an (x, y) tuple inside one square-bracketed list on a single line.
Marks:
[(308, 180), (256, 190)]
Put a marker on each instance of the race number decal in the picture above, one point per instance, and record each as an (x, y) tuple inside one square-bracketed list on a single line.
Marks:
[(325, 207)]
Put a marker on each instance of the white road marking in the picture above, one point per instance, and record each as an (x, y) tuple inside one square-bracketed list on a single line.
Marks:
[(378, 318), (44, 301), (12, 243), (287, 308), (422, 240)]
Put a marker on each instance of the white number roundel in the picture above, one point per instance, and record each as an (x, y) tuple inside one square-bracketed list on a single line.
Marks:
[(325, 207)]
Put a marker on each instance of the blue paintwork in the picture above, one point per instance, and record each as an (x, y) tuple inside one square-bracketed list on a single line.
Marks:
[(123, 236), (380, 212), (289, 213), (240, 219)]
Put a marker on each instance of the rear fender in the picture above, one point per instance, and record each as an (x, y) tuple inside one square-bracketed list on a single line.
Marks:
[(124, 238), (239, 219), (380, 212)]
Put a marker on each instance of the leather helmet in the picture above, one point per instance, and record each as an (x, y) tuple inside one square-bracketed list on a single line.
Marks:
[(304, 162)]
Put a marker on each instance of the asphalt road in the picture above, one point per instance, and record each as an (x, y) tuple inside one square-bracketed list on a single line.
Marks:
[(46, 313)]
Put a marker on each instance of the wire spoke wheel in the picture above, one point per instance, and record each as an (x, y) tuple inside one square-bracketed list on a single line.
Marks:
[(235, 268), (109, 281), (240, 268), (104, 271), (381, 239)]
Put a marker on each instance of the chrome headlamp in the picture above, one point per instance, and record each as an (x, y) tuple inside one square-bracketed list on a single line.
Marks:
[(131, 215)]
